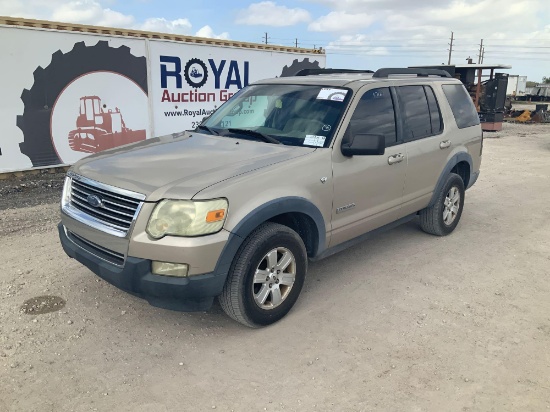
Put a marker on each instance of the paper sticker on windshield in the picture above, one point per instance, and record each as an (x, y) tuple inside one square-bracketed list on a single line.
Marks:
[(312, 140), (332, 94)]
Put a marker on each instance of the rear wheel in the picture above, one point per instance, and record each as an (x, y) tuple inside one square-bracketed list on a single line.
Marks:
[(442, 218), (266, 276)]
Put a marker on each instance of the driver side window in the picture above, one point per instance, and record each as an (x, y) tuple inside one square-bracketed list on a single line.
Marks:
[(374, 114)]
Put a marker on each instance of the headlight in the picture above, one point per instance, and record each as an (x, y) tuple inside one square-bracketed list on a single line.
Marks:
[(187, 218), (66, 196)]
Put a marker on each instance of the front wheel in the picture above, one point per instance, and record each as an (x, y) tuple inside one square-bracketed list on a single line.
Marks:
[(442, 218), (266, 276)]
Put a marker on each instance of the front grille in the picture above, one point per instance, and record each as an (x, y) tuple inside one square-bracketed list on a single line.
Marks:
[(116, 210), (103, 253)]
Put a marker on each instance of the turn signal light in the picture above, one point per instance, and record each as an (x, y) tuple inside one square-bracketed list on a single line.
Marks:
[(215, 216)]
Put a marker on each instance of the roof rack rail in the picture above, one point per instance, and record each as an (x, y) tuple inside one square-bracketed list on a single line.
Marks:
[(313, 72), (418, 72)]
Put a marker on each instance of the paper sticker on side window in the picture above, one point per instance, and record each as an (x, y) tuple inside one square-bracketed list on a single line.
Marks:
[(313, 140), (332, 94)]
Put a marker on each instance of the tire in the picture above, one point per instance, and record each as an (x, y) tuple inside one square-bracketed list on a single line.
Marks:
[(51, 81), (436, 219), (243, 292)]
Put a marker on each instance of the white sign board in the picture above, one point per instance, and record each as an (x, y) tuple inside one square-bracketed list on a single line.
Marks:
[(66, 95)]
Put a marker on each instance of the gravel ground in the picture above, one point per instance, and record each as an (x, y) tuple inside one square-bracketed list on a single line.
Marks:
[(31, 190), (402, 322)]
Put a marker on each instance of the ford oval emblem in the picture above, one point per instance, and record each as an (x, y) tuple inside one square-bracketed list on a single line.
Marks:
[(94, 201)]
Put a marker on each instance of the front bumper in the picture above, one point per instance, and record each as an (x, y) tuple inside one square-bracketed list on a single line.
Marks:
[(195, 293)]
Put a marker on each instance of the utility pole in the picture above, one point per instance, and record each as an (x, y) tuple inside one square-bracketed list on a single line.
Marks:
[(483, 54), (265, 38), (296, 42), (451, 48), (480, 57)]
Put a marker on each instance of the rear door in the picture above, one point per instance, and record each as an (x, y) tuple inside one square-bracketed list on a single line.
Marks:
[(428, 144), (368, 190)]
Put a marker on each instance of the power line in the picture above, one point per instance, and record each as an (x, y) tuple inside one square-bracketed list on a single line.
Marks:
[(514, 52), (519, 46), (371, 51)]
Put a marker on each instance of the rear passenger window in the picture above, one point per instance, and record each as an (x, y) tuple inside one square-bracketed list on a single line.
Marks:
[(461, 104), (435, 116), (374, 115), (415, 112)]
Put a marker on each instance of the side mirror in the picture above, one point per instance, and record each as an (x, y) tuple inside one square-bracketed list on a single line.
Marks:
[(365, 144)]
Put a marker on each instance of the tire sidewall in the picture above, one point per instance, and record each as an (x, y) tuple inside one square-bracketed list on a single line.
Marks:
[(284, 239), (453, 181)]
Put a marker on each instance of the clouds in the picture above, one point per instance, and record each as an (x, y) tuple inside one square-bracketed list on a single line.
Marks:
[(207, 31), (407, 31), (178, 26), (402, 30), (473, 19), (341, 21), (90, 12), (360, 44), (268, 13), (95, 12)]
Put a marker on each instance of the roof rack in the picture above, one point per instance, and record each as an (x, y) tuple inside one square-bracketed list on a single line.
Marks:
[(313, 72), (418, 72)]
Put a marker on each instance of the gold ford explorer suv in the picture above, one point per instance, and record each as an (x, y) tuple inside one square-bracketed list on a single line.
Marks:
[(288, 170)]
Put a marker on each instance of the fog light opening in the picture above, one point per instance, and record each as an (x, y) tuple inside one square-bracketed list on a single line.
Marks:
[(170, 269)]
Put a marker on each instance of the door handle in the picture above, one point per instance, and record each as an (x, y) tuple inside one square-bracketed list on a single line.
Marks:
[(444, 144), (397, 158)]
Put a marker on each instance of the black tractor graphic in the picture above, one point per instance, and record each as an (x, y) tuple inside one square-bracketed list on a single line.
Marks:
[(195, 73)]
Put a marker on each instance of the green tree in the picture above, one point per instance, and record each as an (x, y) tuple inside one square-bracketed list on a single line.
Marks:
[(546, 80)]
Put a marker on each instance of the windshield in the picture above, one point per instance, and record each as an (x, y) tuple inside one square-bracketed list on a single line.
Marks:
[(293, 114)]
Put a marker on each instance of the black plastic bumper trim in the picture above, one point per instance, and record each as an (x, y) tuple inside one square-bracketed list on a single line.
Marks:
[(195, 293)]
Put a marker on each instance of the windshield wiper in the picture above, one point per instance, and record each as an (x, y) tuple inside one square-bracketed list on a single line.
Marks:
[(208, 129), (254, 133)]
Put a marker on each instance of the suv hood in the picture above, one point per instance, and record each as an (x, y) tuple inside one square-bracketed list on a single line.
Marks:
[(179, 166)]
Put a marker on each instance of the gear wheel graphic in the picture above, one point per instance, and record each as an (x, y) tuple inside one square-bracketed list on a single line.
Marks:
[(50, 82), (296, 66), (189, 80)]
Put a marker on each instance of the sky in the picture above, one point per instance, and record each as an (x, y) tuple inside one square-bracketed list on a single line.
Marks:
[(357, 34)]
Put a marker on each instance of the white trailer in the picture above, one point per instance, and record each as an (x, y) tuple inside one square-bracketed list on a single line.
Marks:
[(517, 85), (69, 90)]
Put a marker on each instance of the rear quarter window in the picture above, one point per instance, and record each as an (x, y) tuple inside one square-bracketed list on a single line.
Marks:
[(463, 109)]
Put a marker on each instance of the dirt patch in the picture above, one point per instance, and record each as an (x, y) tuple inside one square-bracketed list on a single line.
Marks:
[(31, 190), (42, 304)]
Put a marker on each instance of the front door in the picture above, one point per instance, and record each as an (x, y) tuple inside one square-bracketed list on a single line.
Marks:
[(368, 190)]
